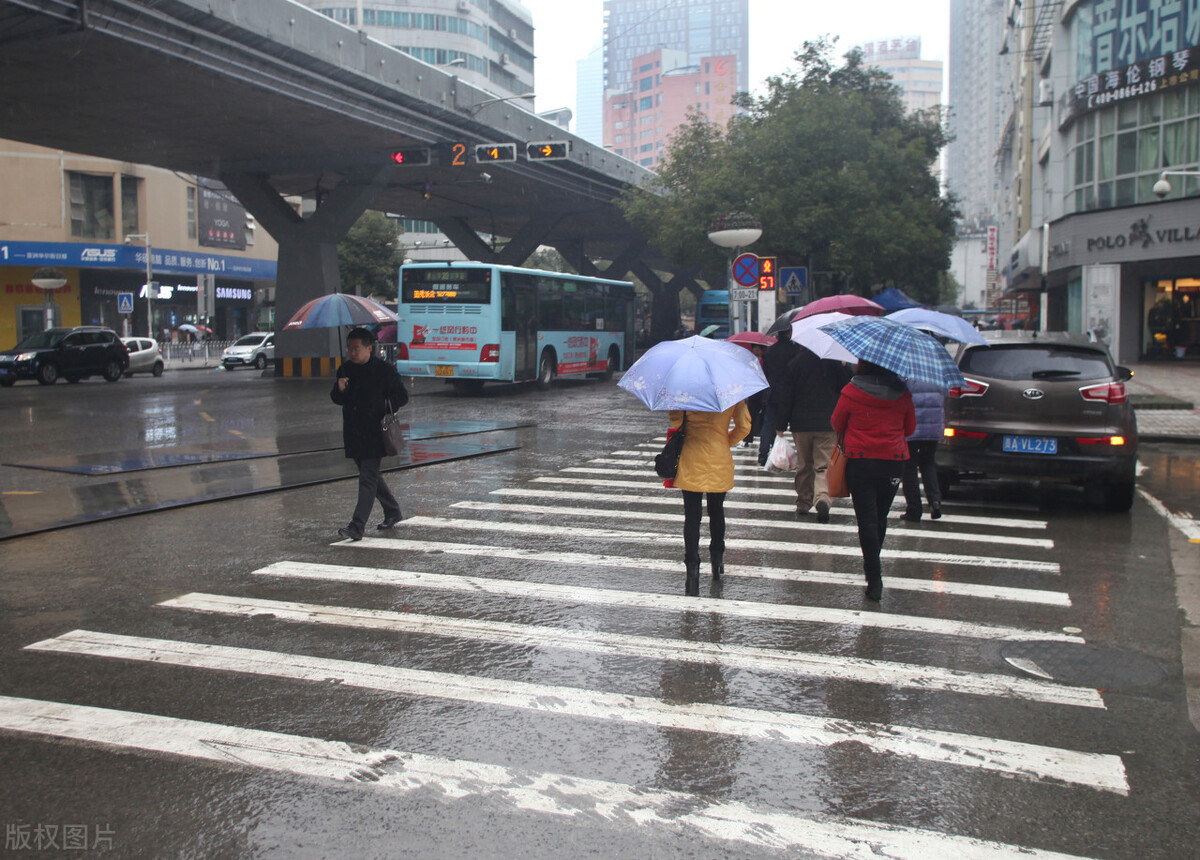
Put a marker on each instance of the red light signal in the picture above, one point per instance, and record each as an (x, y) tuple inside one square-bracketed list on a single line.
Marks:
[(766, 273), (409, 157)]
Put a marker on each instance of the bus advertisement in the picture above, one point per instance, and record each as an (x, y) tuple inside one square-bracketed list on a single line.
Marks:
[(471, 323)]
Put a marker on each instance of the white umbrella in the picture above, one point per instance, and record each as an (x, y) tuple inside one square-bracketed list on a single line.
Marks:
[(807, 333)]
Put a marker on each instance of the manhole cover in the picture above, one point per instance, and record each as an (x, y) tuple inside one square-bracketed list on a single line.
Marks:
[(1099, 666)]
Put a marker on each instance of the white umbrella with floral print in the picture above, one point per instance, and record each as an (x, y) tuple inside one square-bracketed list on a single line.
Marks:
[(696, 373)]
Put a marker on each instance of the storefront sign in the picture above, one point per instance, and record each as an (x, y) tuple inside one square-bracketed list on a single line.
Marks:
[(1158, 74), (221, 218), (1131, 235), (163, 261)]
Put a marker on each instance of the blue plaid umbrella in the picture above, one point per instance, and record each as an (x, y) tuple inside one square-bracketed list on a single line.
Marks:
[(695, 373), (906, 351)]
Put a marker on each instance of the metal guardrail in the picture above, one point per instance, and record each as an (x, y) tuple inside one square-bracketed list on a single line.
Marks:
[(205, 353)]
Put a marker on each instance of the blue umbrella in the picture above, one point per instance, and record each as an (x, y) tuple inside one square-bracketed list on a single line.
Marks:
[(955, 328), (694, 373), (906, 351)]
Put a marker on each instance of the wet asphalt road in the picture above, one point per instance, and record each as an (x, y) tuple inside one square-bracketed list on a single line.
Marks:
[(515, 671)]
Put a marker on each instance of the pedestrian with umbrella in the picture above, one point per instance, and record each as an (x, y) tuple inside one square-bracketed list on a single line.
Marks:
[(875, 415), (702, 384), (367, 387)]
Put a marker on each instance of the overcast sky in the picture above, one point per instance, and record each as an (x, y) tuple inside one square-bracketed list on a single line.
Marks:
[(567, 31)]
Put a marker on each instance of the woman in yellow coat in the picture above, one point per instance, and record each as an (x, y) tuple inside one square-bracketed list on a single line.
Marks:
[(706, 467)]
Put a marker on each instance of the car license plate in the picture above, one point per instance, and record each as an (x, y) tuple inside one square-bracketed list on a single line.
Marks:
[(1031, 444), (443, 370)]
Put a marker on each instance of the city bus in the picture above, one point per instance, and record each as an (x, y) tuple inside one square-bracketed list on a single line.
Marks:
[(713, 309), (471, 323)]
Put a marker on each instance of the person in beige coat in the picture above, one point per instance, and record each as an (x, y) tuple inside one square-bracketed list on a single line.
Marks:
[(706, 467)]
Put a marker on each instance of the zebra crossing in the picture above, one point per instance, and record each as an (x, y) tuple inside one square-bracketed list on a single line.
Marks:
[(578, 573)]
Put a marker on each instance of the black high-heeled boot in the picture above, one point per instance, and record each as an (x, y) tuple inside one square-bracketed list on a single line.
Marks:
[(691, 585), (717, 557)]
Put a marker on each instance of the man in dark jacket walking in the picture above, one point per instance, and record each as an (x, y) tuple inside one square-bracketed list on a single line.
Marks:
[(774, 361), (806, 402), (364, 387)]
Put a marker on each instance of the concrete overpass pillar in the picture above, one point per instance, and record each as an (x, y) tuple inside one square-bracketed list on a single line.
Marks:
[(515, 252), (308, 263), (664, 310)]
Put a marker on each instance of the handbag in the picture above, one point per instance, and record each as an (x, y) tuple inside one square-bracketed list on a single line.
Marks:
[(666, 462), (835, 474), (391, 430)]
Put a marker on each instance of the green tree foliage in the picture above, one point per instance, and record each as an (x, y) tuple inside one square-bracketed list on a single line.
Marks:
[(833, 167), (369, 256), (548, 260)]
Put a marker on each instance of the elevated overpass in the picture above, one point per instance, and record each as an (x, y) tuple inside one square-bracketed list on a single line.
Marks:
[(277, 100)]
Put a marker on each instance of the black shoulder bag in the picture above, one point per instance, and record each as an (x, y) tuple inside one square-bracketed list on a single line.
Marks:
[(666, 463)]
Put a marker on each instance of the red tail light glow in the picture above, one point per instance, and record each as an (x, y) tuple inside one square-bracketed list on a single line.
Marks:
[(490, 352), (1105, 392), (1100, 440), (955, 433), (973, 388), (402, 352)]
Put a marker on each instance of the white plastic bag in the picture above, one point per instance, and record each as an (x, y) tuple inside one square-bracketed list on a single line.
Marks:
[(783, 456)]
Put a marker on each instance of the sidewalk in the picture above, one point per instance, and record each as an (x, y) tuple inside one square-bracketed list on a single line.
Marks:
[(1165, 394)]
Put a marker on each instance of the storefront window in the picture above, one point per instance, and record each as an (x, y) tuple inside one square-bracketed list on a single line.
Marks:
[(1172, 317), (1118, 152)]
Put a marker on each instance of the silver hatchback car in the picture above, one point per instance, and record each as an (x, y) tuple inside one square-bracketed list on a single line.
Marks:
[(145, 356)]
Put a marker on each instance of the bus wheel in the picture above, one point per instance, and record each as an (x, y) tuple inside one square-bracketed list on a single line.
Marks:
[(614, 359), (546, 370)]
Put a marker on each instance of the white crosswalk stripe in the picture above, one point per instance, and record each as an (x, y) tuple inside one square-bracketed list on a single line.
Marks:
[(616, 508), (540, 793), (732, 656), (827, 528), (645, 600), (991, 562), (1017, 760)]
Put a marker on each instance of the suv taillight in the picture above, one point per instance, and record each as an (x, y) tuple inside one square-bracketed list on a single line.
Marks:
[(490, 352), (1106, 392), (402, 352), (973, 388)]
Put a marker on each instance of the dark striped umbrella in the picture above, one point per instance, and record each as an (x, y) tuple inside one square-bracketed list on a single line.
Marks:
[(338, 310)]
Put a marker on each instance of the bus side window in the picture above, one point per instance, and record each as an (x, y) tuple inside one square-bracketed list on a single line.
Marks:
[(549, 305), (508, 301)]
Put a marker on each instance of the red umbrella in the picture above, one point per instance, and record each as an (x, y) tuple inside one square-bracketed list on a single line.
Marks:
[(846, 304), (751, 338)]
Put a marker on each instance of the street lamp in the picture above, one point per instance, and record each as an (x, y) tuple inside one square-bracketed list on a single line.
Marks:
[(145, 237), (731, 231), (49, 280), (476, 108)]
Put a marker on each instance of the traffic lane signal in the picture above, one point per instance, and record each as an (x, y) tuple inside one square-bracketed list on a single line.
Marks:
[(417, 155), (491, 152), (547, 150)]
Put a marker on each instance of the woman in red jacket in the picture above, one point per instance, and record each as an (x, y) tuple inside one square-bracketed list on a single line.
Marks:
[(874, 416)]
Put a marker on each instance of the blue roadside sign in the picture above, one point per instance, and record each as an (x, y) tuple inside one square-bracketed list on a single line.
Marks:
[(124, 303), (794, 279)]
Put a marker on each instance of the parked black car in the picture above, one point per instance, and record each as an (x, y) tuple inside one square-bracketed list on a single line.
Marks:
[(72, 353), (1042, 406)]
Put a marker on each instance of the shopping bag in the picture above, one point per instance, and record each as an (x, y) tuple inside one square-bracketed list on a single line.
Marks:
[(835, 475), (782, 457)]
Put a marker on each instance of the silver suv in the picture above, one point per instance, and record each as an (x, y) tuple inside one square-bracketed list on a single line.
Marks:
[(1041, 406), (255, 349)]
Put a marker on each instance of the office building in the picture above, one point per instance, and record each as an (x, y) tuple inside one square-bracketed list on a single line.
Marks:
[(920, 81), (589, 97)]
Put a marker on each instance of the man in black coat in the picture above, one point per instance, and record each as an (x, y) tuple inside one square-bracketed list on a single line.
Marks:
[(807, 398), (364, 387), (775, 361)]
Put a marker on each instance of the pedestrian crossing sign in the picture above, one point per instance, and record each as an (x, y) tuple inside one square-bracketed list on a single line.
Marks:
[(124, 303)]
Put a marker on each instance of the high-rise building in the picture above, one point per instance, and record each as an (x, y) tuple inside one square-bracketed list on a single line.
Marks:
[(920, 81), (699, 28), (489, 42), (639, 123), (662, 60), (977, 112), (589, 97)]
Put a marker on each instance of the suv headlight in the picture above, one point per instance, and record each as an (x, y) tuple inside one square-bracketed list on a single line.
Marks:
[(26, 356)]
